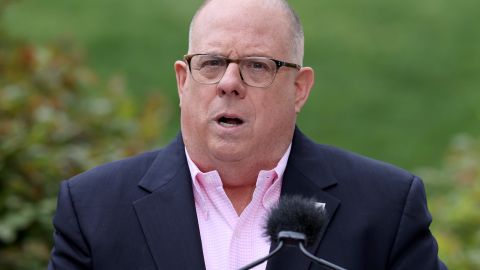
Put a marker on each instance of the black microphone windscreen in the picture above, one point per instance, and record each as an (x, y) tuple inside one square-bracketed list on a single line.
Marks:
[(297, 214)]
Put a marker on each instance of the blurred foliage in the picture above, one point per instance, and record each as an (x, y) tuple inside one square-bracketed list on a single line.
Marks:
[(57, 118), (454, 200)]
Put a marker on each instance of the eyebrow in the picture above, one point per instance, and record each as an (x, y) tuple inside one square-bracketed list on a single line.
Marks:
[(244, 56)]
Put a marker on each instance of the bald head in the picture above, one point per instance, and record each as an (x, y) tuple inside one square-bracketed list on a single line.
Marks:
[(290, 23)]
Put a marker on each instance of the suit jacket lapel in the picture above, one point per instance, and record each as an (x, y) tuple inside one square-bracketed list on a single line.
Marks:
[(167, 214), (307, 175)]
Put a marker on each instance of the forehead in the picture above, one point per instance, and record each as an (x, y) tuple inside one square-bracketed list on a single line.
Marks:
[(243, 28)]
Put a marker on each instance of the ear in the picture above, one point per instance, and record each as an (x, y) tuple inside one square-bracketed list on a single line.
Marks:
[(303, 84), (181, 75)]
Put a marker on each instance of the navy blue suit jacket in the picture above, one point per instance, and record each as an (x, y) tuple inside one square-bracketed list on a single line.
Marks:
[(139, 213)]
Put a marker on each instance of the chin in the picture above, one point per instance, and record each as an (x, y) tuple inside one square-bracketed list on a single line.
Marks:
[(229, 152)]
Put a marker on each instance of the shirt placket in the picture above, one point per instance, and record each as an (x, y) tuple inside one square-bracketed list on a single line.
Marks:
[(243, 245)]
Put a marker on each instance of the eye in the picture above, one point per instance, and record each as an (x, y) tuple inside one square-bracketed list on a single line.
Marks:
[(211, 63), (258, 65), (207, 62)]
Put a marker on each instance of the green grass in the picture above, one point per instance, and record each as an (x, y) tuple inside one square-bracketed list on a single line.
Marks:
[(395, 80)]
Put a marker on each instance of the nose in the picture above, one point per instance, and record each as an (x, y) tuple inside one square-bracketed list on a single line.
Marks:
[(231, 83)]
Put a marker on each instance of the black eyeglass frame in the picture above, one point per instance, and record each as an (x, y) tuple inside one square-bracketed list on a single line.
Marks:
[(278, 65)]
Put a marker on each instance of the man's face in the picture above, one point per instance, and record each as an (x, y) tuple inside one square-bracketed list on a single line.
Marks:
[(231, 121)]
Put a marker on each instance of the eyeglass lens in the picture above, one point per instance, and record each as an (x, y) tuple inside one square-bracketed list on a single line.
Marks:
[(255, 71)]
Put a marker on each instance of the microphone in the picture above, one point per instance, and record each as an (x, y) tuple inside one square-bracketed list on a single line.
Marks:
[(294, 221)]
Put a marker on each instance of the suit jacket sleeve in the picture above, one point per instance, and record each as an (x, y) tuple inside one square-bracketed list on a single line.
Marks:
[(414, 246), (70, 251)]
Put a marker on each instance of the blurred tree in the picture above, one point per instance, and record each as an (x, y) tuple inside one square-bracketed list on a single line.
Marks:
[(455, 203), (56, 120)]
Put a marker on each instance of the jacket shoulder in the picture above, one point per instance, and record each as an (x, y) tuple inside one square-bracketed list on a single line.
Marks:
[(356, 176), (345, 162), (124, 172)]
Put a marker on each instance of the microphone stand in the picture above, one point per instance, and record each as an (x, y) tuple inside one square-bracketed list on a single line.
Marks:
[(291, 238), (318, 260), (261, 260)]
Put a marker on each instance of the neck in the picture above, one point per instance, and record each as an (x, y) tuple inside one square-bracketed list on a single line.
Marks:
[(239, 178), (239, 183), (240, 197)]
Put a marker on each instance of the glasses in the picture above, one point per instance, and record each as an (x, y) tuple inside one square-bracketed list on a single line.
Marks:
[(254, 71)]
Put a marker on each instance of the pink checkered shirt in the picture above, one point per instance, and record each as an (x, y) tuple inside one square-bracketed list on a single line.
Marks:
[(230, 241)]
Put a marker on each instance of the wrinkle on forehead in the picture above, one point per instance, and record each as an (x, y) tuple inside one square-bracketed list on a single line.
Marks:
[(230, 48), (249, 24), (225, 40)]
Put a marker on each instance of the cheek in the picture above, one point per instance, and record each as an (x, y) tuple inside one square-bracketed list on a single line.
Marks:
[(276, 107), (194, 103)]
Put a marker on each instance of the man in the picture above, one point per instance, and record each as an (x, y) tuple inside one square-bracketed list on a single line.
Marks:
[(200, 203)]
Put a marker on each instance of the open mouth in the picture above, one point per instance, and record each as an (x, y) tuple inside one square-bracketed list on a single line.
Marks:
[(229, 121)]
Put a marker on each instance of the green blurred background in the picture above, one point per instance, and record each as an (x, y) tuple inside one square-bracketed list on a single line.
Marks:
[(85, 82)]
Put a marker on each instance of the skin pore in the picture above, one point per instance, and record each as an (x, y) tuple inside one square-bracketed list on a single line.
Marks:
[(238, 29)]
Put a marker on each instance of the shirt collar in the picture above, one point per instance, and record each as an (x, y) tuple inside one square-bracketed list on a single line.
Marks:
[(270, 197)]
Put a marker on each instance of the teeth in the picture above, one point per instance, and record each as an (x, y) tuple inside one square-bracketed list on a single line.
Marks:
[(228, 124)]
